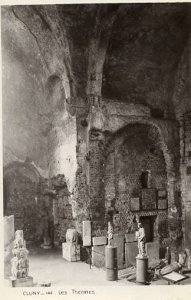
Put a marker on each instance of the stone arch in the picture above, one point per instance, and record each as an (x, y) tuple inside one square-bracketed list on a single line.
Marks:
[(164, 146), (98, 49), (20, 189), (27, 168), (170, 156)]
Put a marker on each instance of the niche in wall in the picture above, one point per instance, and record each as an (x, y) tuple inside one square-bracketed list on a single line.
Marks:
[(20, 191), (129, 164)]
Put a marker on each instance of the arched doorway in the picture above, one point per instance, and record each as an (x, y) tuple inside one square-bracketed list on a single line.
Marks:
[(20, 183), (134, 151)]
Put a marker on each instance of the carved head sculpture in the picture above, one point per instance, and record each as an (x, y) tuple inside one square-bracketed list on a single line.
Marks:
[(140, 225), (19, 241), (16, 252), (72, 236)]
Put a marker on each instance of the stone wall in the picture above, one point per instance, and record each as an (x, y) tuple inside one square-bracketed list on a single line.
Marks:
[(150, 144), (181, 99), (61, 208), (61, 133), (23, 98), (21, 199), (36, 203), (132, 152), (55, 117), (97, 199), (62, 148), (185, 133)]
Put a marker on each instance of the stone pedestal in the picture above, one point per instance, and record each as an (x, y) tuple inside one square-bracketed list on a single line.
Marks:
[(21, 282), (71, 252), (131, 251), (111, 263), (99, 240), (152, 250), (119, 243), (141, 269), (98, 256)]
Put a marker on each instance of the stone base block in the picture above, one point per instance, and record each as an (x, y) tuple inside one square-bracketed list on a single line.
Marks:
[(119, 243), (131, 251), (152, 250), (98, 256), (130, 237), (21, 282), (99, 240), (71, 252)]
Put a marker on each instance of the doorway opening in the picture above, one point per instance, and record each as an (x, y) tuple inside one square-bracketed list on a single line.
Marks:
[(148, 225)]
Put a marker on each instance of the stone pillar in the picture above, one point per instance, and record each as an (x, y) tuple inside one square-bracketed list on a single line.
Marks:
[(111, 263), (141, 269), (87, 233)]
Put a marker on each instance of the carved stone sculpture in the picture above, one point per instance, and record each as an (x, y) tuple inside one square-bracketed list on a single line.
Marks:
[(15, 266), (72, 236), (71, 249), (140, 235), (19, 263), (110, 233), (23, 265), (19, 241)]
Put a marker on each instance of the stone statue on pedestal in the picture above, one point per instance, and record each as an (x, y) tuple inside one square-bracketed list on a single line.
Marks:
[(110, 234), (140, 235)]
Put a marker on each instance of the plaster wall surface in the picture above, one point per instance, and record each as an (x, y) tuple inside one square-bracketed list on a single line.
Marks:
[(22, 94)]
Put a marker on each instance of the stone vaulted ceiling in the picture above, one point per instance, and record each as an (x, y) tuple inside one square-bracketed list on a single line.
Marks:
[(143, 53), (125, 52)]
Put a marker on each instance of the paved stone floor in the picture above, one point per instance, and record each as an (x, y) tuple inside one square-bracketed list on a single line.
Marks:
[(49, 266)]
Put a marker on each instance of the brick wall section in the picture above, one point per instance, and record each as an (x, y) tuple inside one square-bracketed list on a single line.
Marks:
[(185, 143), (161, 155), (61, 208), (135, 150), (31, 202), (80, 196), (20, 201), (97, 160)]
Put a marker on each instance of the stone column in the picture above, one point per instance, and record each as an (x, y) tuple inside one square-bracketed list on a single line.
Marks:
[(96, 183), (141, 269), (111, 263)]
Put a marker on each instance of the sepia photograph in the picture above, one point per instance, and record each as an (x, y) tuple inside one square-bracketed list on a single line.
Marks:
[(96, 143)]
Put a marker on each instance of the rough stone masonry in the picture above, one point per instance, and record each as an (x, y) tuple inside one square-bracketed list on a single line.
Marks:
[(94, 96)]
